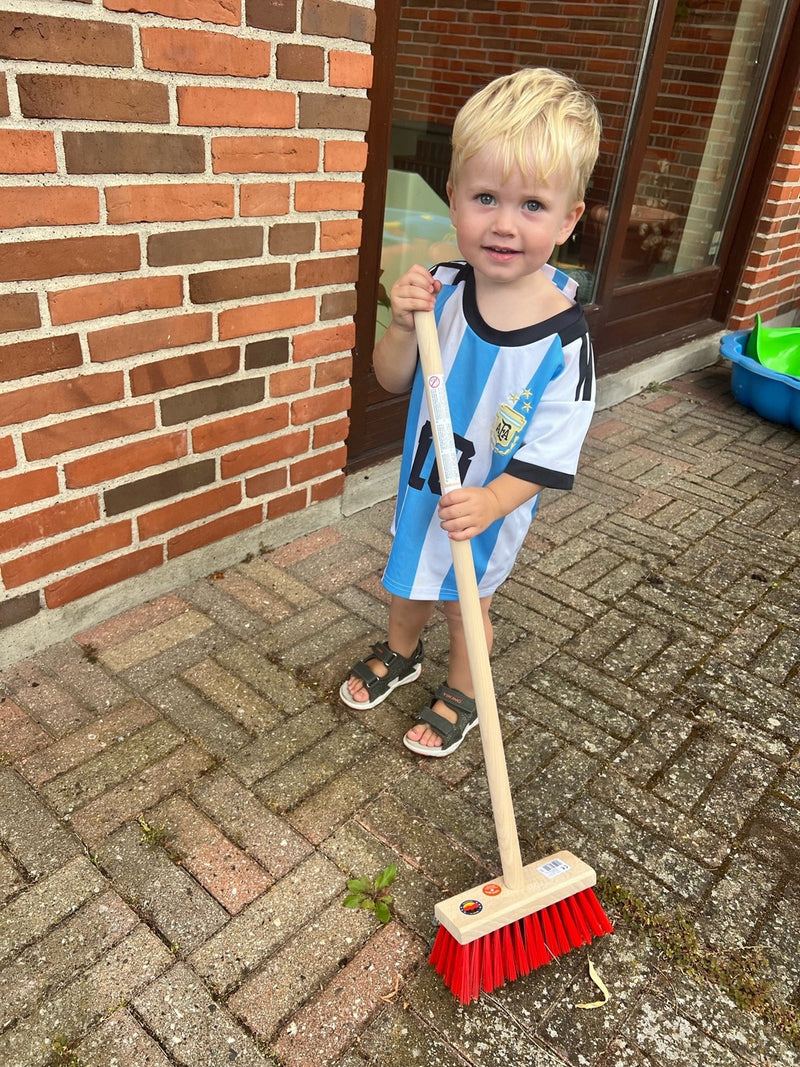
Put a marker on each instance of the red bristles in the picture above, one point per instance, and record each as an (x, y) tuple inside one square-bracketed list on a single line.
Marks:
[(519, 947)]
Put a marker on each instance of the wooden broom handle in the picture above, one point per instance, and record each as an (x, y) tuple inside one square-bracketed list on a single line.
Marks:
[(469, 600)]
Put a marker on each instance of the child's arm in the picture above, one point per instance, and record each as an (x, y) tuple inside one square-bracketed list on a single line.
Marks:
[(395, 355), (467, 512)]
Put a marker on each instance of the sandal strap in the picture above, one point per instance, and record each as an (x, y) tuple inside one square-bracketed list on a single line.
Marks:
[(395, 664), (464, 707), (456, 700)]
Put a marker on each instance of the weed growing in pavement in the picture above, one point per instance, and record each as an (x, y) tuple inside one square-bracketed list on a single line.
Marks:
[(63, 1056), (372, 894), (739, 973), (152, 835)]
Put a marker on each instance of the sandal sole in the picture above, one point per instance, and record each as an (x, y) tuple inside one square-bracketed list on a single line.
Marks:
[(366, 705), (437, 753)]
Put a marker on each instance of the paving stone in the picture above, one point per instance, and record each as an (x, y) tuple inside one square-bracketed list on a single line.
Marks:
[(124, 969), (49, 704), (20, 735), (181, 1014), (29, 830), (270, 921), (74, 667), (197, 719), (265, 755), (130, 624), (397, 1038), (159, 889), (120, 1041), (103, 815), (226, 872), (10, 879), (277, 685), (280, 582), (233, 696), (155, 639), (32, 913), (215, 598), (321, 1031)]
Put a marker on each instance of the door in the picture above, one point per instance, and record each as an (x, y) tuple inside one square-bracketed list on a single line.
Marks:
[(683, 87)]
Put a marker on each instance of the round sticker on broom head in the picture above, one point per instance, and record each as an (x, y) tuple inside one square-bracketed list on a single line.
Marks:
[(470, 907), (492, 889)]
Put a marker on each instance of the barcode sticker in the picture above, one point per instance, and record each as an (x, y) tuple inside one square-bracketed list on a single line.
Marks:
[(553, 869)]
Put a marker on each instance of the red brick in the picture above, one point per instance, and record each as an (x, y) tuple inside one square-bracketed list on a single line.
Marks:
[(27, 151), (114, 463), (287, 504), (66, 96), (57, 398), (8, 455), (328, 490), (333, 371), (339, 234), (266, 318), (324, 342), (331, 433), (252, 424), (118, 342), (171, 516), (19, 489), (264, 155), (204, 52), (78, 433), (19, 311), (265, 198), (210, 532), (265, 453), (48, 523), (60, 257), (104, 575), (65, 554), (153, 377), (290, 382), (266, 483), (258, 108), (169, 203), (329, 196), (314, 408), (39, 356), (224, 12), (58, 40), (4, 109), (115, 298), (317, 465), (350, 70), (48, 206)]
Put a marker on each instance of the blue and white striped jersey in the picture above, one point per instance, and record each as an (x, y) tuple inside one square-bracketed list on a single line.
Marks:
[(520, 401)]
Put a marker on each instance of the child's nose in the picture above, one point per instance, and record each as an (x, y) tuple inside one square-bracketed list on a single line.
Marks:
[(504, 220)]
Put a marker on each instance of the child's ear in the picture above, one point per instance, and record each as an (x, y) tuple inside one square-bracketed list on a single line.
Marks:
[(571, 220)]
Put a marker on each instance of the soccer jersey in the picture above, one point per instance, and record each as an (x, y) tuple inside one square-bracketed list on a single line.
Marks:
[(520, 402)]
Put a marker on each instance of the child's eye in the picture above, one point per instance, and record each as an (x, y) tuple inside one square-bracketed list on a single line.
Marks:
[(485, 198), (533, 205)]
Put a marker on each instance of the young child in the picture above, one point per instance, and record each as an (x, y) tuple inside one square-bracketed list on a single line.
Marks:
[(519, 373)]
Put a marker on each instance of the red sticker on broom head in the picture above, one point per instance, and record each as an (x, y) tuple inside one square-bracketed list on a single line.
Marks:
[(492, 889), (470, 907)]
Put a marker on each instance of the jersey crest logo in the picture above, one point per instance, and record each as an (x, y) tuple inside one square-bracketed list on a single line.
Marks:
[(508, 425)]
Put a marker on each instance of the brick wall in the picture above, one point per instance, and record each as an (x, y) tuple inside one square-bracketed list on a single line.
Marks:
[(180, 183)]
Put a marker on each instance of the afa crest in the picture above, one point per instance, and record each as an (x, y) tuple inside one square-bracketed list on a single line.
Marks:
[(508, 425)]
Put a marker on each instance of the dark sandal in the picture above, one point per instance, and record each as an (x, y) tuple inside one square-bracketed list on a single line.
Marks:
[(399, 671), (451, 733)]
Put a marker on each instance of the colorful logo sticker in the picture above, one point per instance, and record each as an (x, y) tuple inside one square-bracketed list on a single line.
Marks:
[(492, 889), (471, 907)]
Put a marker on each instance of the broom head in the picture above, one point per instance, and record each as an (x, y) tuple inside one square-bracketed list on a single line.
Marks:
[(492, 934)]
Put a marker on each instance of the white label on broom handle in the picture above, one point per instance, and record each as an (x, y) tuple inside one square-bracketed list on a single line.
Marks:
[(471, 614)]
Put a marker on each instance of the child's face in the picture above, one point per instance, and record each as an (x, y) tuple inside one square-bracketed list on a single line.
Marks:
[(507, 228)]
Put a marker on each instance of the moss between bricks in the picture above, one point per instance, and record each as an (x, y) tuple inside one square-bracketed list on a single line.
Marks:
[(739, 973)]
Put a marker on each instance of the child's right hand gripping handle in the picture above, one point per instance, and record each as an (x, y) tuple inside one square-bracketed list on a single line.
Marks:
[(469, 599)]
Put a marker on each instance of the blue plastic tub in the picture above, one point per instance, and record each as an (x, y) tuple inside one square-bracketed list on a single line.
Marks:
[(774, 396)]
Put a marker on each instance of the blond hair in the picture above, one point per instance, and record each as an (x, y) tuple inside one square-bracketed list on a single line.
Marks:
[(541, 122)]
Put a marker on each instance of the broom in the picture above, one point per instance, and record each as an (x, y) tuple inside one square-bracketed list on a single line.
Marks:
[(505, 928)]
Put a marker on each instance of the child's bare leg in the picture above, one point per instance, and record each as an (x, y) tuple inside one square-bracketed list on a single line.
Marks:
[(407, 620), (458, 673)]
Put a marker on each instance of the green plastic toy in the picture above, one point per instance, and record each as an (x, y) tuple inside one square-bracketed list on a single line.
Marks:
[(777, 348)]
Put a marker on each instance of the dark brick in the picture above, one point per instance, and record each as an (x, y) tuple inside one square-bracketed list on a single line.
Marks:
[(288, 238), (18, 609), (40, 356), (331, 271), (339, 305), (56, 40), (324, 111), (112, 99), (3, 96), (210, 401), (199, 246), (330, 18), (238, 282), (270, 353), (19, 311), (300, 62), (134, 153), (158, 487), (278, 15)]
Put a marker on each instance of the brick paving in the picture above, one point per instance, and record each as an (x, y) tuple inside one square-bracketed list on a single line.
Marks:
[(182, 797)]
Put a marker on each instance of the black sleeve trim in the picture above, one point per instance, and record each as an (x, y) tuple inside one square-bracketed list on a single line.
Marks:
[(528, 472)]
